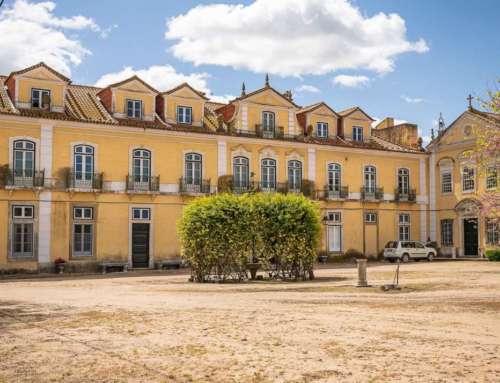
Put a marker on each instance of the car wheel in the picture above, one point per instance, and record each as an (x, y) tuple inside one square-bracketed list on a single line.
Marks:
[(405, 258), (430, 257)]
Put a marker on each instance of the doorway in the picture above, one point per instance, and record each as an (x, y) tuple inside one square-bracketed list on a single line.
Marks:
[(470, 237), (140, 244)]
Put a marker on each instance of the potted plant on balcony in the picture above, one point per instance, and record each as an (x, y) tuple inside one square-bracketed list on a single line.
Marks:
[(59, 263)]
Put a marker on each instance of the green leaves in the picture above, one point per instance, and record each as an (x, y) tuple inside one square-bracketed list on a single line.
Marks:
[(221, 234)]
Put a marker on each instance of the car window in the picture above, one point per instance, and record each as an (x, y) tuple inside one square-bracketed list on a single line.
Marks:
[(392, 245), (418, 245), (408, 245)]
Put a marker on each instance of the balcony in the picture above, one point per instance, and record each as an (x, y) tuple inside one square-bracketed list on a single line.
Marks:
[(408, 195), (24, 178), (372, 194), (332, 194), (194, 186), (143, 184), (305, 187), (271, 187), (84, 181)]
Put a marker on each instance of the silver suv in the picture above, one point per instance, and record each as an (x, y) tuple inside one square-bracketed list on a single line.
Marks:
[(406, 250)]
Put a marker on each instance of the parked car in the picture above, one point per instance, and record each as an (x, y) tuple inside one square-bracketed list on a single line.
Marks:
[(406, 250)]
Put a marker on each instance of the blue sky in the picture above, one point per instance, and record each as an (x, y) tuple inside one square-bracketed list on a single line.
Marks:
[(461, 55)]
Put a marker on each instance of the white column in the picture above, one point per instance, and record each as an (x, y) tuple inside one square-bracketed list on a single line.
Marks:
[(423, 200), (311, 169), (45, 197), (221, 158), (432, 192)]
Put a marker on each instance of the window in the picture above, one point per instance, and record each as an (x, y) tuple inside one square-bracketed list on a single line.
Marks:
[(446, 182), (141, 166), (268, 122), (357, 133), (334, 174), (184, 114), (492, 232), (446, 232), (468, 179), (134, 108), (268, 174), (83, 231), (141, 213), (294, 175), (492, 178), (240, 173), (334, 231), (22, 231), (83, 165), (193, 169), (24, 159), (403, 181), (322, 130), (370, 179), (371, 217), (404, 227), (40, 98), (334, 217)]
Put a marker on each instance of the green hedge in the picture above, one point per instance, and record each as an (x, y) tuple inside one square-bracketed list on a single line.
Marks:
[(493, 255), (221, 234)]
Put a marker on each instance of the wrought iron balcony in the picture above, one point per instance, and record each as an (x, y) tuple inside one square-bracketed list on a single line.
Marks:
[(194, 186), (270, 131), (332, 193), (271, 187), (408, 195), (84, 180), (304, 187), (372, 193), (24, 178), (138, 184)]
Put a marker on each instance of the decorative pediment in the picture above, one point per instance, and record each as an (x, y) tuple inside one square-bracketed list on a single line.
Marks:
[(185, 90), (269, 96), (267, 152), (294, 155), (468, 206), (240, 150), (41, 71), (134, 84)]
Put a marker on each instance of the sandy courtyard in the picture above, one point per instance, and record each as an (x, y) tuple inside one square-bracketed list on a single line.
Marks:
[(444, 326)]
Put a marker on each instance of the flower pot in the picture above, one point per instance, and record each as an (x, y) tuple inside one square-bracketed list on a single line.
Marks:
[(253, 267), (60, 268)]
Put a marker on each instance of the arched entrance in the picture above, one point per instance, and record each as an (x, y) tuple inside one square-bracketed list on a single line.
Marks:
[(469, 227)]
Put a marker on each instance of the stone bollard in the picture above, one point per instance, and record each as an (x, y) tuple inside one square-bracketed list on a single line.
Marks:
[(362, 273)]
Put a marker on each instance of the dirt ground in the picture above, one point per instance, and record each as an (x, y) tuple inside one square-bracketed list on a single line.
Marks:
[(443, 326)]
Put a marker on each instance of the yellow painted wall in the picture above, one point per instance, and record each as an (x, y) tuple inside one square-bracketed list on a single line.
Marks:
[(121, 96), (357, 119), (323, 115), (184, 97), (56, 90)]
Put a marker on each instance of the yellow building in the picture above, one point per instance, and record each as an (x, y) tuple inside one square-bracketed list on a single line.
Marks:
[(93, 175)]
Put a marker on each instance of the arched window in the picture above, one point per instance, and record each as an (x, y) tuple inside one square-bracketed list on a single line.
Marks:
[(83, 164), (268, 174), (294, 175), (334, 177), (240, 173), (192, 171), (24, 159), (141, 165), (403, 181), (370, 179)]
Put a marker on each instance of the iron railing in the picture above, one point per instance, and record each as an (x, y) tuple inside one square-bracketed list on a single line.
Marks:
[(331, 193), (84, 180), (372, 193), (195, 186), (408, 195), (143, 183), (24, 178)]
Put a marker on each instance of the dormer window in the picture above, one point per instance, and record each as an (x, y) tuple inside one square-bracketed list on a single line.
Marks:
[(322, 130), (184, 114), (40, 98), (357, 133), (134, 109)]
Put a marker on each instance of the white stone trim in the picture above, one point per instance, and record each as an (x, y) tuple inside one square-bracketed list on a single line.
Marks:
[(44, 227), (169, 188), (244, 117), (46, 142), (432, 192), (221, 158), (311, 164), (291, 122), (114, 186)]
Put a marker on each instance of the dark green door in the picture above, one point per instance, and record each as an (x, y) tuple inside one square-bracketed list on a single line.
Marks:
[(470, 236), (140, 244)]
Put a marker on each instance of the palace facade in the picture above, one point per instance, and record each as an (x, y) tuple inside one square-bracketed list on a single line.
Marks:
[(93, 175)]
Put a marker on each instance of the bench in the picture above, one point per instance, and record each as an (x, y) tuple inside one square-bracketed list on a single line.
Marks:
[(114, 265), (169, 264)]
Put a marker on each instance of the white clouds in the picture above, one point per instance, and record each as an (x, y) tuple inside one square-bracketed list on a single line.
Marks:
[(350, 81), (162, 78), (411, 100), (307, 89), (290, 37), (30, 32)]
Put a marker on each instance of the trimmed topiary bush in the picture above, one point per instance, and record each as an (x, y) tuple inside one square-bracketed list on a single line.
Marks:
[(493, 255), (221, 234)]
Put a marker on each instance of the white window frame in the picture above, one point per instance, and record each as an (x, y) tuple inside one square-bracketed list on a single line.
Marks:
[(40, 93), (492, 232), (357, 133), (322, 129), (183, 117), (241, 172), (143, 214), (295, 174), (23, 219), (334, 177), (83, 217), (404, 181), (371, 217), (370, 178), (267, 177), (135, 106), (450, 183), (491, 177), (468, 179), (404, 227), (447, 232)]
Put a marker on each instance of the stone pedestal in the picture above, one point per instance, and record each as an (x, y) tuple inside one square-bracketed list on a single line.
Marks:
[(362, 282)]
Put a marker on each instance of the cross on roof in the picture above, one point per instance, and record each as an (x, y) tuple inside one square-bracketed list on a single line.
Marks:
[(470, 101)]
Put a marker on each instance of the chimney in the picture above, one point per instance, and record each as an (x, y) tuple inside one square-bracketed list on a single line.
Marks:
[(387, 122)]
